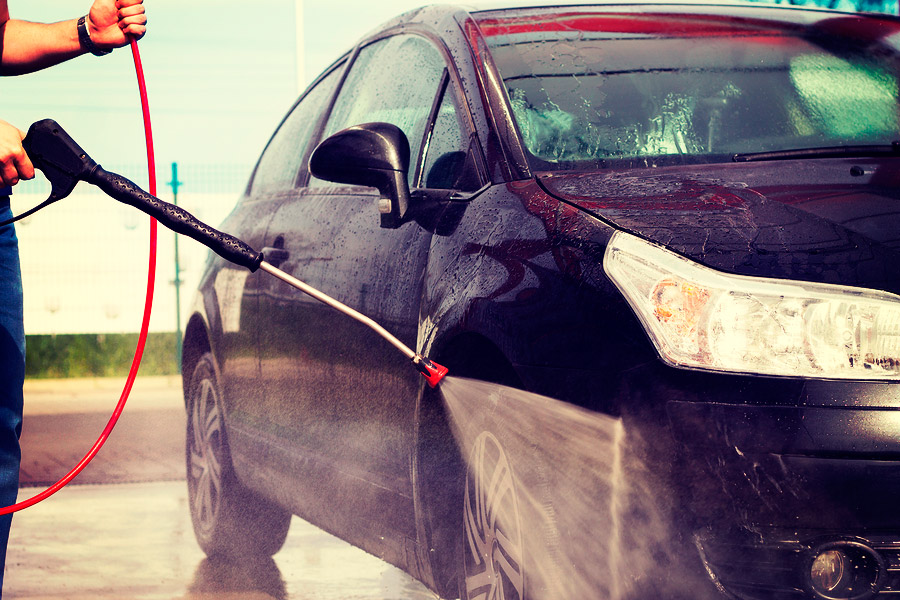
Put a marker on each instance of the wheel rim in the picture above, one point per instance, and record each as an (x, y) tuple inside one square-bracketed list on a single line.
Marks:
[(205, 456), (493, 532)]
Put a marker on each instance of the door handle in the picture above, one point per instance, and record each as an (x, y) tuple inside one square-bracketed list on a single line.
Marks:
[(275, 256)]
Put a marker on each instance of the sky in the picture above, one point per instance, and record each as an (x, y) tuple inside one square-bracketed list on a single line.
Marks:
[(220, 75)]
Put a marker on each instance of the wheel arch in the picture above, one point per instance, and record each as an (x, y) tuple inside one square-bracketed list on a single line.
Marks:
[(440, 467), (196, 343)]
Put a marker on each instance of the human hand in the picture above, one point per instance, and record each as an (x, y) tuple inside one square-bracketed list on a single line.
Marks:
[(14, 162), (112, 23)]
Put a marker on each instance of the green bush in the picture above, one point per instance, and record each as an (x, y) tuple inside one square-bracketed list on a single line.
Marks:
[(98, 355)]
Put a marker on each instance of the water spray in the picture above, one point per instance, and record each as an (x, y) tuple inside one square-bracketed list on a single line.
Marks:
[(64, 163)]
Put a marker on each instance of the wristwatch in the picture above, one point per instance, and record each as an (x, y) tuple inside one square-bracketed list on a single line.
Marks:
[(86, 42)]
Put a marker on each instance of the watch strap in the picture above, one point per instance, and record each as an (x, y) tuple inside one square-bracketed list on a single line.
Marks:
[(85, 39)]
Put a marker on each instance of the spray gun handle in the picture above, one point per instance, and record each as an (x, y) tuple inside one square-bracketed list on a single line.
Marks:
[(61, 159), (175, 218)]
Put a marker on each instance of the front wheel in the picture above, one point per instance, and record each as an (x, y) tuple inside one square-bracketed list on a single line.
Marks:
[(228, 519), (493, 545)]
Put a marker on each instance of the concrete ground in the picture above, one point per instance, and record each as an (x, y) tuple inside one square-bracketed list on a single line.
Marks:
[(122, 530), (64, 417)]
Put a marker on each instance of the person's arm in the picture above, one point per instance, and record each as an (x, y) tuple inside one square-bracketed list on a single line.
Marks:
[(11, 152), (14, 162), (26, 47)]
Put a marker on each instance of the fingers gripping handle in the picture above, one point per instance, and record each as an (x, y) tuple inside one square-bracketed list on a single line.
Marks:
[(177, 219)]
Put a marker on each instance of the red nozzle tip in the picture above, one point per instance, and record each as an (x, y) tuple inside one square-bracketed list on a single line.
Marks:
[(431, 371)]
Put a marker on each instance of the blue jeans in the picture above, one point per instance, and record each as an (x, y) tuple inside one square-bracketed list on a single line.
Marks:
[(12, 371)]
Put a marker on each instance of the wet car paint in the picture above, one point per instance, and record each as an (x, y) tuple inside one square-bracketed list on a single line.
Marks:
[(805, 220)]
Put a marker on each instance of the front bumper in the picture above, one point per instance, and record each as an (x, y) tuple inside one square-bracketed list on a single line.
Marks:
[(796, 467), (776, 565), (773, 485)]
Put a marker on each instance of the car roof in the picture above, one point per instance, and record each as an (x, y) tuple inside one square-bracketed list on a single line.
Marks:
[(436, 13), (513, 4), (489, 5)]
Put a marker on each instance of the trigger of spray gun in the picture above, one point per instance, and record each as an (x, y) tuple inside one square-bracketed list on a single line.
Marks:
[(61, 160)]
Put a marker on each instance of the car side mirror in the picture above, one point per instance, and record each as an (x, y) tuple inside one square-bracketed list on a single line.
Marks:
[(372, 154)]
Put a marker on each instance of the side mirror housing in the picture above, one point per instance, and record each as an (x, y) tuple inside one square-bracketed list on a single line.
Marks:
[(371, 154)]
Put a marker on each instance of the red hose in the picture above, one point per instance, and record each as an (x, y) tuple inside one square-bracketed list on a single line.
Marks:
[(145, 324)]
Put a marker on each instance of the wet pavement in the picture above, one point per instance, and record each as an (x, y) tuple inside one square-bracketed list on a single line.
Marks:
[(124, 531), (64, 417)]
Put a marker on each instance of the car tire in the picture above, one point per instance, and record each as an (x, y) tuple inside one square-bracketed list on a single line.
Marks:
[(493, 544), (229, 520)]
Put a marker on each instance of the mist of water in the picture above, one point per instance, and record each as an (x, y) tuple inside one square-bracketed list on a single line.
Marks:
[(584, 516)]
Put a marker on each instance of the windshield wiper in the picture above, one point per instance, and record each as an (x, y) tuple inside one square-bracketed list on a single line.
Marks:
[(826, 152)]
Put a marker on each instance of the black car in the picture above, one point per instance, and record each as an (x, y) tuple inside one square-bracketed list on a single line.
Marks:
[(658, 247)]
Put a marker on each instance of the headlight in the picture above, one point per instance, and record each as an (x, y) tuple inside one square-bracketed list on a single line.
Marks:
[(700, 318)]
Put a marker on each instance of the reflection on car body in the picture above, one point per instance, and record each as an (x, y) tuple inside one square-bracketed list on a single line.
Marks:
[(678, 221)]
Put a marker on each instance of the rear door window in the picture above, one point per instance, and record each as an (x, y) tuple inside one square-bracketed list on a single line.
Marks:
[(282, 159)]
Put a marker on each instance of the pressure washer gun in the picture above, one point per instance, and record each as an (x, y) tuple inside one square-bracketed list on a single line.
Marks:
[(64, 164)]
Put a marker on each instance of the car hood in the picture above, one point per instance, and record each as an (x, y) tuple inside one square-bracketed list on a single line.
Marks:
[(825, 220)]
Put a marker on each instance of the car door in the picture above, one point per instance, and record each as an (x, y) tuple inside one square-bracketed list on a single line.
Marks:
[(274, 182), (345, 398)]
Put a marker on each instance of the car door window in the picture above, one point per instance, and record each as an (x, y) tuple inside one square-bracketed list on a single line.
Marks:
[(393, 80), (281, 161), (446, 165)]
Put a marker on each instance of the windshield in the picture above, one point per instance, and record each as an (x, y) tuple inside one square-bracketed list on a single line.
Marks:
[(657, 89)]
